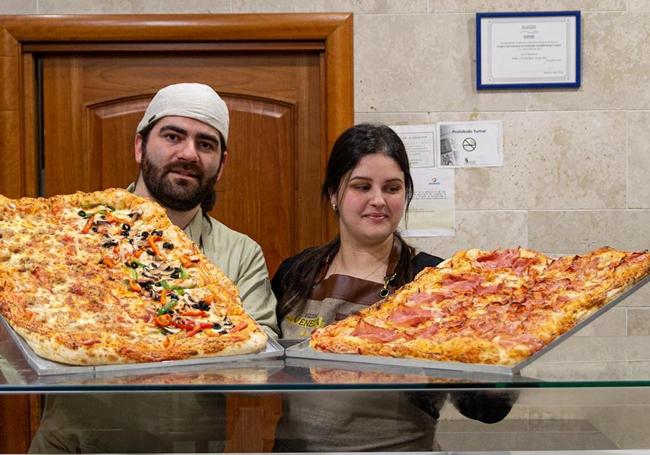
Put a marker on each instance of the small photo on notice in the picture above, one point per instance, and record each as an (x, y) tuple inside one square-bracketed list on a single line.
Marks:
[(470, 144)]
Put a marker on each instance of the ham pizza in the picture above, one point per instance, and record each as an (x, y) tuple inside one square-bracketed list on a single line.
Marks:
[(487, 307)]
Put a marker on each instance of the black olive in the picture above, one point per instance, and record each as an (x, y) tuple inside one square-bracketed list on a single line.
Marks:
[(168, 246), (133, 265), (158, 233), (201, 306), (124, 233), (94, 228), (126, 227), (144, 235), (149, 252), (109, 243), (216, 326), (81, 213), (175, 274)]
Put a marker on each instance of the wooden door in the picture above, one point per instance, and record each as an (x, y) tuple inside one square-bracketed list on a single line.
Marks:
[(287, 79)]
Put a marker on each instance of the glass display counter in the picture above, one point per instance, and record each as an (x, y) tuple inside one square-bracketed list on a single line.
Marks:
[(599, 402)]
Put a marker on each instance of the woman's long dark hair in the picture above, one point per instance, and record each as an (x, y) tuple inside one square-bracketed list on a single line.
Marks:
[(351, 146)]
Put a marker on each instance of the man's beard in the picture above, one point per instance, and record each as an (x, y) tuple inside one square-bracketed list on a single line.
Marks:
[(172, 195)]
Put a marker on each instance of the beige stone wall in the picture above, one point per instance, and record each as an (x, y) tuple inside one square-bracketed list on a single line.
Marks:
[(575, 174)]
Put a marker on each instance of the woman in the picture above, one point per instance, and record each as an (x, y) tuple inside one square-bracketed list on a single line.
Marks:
[(369, 186)]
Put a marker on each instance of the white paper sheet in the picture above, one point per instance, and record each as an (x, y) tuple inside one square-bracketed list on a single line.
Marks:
[(432, 209), (470, 144)]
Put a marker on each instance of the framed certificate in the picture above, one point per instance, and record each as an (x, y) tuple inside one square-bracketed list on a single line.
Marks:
[(527, 50)]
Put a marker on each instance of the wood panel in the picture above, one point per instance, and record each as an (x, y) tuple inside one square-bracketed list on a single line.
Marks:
[(251, 422), (15, 419)]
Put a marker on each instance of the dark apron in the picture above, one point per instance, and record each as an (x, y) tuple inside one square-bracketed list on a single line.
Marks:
[(342, 420)]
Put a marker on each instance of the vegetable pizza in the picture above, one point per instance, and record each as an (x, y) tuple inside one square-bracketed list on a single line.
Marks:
[(106, 278)]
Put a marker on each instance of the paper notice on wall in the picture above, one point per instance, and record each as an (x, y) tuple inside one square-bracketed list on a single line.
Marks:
[(470, 144), (419, 143), (432, 209)]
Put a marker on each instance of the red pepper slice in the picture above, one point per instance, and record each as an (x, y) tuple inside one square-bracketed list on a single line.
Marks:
[(163, 320), (151, 240), (200, 313), (186, 262), (239, 327), (194, 331), (89, 224), (108, 261)]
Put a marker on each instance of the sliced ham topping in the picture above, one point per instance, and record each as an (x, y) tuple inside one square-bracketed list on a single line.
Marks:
[(499, 258), (521, 264), (458, 307), (511, 328), (554, 285), (595, 263), (423, 298), (409, 316), (373, 333), (534, 343), (488, 290), (481, 326), (637, 257), (462, 282), (428, 332), (499, 307)]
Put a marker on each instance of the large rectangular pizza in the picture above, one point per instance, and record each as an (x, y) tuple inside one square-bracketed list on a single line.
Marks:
[(106, 278), (487, 307)]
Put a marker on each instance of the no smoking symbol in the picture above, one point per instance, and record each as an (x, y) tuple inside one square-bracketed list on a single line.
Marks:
[(469, 144)]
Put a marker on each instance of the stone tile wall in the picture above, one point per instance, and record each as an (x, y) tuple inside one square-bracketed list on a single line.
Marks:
[(575, 176)]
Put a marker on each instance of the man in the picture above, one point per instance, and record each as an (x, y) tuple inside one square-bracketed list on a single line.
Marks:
[(181, 148), (180, 145)]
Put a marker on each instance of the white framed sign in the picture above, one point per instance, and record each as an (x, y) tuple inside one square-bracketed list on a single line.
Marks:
[(528, 50)]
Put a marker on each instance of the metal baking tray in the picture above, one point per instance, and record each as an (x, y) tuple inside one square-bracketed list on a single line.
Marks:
[(302, 350), (48, 367), (370, 373), (199, 376)]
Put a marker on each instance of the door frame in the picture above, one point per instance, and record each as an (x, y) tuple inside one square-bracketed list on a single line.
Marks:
[(22, 38)]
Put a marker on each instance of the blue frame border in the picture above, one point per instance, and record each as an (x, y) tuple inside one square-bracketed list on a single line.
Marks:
[(578, 81)]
